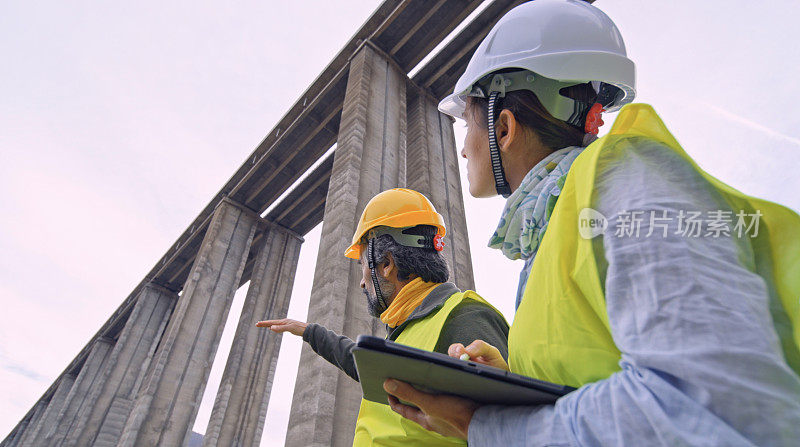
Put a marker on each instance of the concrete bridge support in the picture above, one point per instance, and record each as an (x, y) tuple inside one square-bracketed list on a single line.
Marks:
[(241, 403), (15, 437), (147, 388), (82, 395), (168, 402), (391, 135), (129, 362), (49, 418), (29, 429), (369, 158)]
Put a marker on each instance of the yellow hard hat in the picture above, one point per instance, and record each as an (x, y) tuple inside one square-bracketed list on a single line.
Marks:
[(396, 208)]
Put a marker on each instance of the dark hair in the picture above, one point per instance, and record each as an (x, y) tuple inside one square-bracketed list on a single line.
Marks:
[(426, 263), (529, 111)]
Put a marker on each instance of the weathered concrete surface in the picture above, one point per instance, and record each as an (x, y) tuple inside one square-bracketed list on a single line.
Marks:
[(167, 404), (82, 395), (241, 403), (370, 158), (128, 363), (50, 415), (432, 167), (25, 427), (15, 437), (28, 431)]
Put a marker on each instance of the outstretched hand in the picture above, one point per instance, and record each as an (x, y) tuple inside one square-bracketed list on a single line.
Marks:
[(285, 325), (479, 352), (446, 415)]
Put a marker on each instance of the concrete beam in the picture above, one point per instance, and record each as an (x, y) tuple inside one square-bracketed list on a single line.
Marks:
[(439, 74), (241, 403), (425, 38), (433, 159), (298, 209), (369, 158), (128, 363), (167, 404)]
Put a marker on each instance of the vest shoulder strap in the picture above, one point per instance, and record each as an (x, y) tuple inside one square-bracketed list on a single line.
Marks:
[(424, 333)]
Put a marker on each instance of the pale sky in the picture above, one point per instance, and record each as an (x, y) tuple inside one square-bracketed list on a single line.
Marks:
[(118, 122)]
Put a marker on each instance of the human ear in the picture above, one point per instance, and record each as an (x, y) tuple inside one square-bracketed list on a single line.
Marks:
[(388, 266), (506, 129)]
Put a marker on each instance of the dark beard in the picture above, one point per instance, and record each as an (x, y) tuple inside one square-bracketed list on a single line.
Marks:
[(375, 307)]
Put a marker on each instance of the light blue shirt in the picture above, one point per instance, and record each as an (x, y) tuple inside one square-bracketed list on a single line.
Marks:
[(701, 360)]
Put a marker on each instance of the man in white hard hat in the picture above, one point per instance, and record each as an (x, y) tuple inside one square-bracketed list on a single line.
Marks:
[(677, 316)]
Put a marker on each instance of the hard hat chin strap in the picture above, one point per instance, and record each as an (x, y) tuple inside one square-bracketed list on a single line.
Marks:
[(372, 265), (500, 183)]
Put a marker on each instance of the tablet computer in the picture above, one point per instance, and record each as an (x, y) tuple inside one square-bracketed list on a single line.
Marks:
[(378, 359)]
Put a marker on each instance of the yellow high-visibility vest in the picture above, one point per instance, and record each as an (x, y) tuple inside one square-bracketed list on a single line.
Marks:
[(561, 331), (377, 424)]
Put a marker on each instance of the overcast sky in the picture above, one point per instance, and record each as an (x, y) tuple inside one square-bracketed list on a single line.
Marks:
[(119, 121)]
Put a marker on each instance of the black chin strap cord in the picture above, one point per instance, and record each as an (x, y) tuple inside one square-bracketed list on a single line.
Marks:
[(500, 183), (372, 266)]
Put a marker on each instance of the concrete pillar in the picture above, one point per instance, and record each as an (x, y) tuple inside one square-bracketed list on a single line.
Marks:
[(433, 160), (50, 416), (167, 403), (83, 394), (27, 431), (128, 363), (369, 158), (241, 403), (13, 439)]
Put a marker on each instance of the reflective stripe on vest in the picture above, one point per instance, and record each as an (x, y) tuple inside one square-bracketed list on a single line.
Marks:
[(377, 424), (561, 331)]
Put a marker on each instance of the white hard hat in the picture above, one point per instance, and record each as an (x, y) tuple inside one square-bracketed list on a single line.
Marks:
[(568, 41)]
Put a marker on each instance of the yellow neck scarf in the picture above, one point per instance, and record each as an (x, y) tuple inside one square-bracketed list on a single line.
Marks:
[(407, 299)]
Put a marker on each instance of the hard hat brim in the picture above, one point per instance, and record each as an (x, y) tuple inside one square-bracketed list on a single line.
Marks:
[(454, 105)]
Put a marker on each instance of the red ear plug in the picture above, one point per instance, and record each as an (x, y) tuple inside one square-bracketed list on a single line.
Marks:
[(438, 242), (593, 119)]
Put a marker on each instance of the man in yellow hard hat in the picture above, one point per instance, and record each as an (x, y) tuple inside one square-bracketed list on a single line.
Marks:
[(398, 243)]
